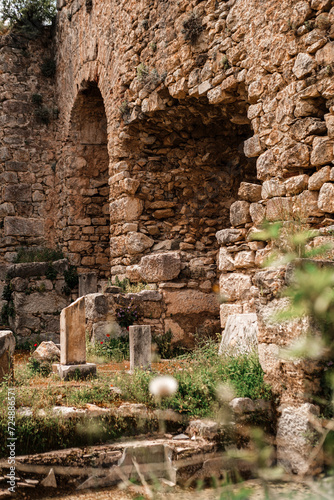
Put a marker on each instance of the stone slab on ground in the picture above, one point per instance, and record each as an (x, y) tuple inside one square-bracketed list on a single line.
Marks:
[(47, 351), (240, 333), (67, 372)]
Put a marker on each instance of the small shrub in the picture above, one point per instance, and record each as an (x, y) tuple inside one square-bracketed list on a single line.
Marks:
[(71, 277), (126, 316), (124, 109), (192, 28), (51, 273), (142, 72), (127, 287), (38, 254), (41, 368), (43, 115), (37, 99), (153, 46), (28, 16), (111, 349), (164, 344), (48, 67)]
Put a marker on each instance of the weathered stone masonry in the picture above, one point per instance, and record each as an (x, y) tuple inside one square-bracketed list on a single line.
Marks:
[(180, 120)]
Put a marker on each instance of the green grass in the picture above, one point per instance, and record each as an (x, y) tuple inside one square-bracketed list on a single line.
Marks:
[(203, 371)]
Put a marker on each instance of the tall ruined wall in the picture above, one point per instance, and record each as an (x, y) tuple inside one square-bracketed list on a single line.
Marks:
[(209, 106), (28, 113)]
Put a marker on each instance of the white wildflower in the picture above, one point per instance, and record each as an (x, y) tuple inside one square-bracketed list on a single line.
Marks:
[(163, 386)]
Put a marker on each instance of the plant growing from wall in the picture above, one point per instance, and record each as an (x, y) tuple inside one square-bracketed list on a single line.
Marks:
[(192, 28), (8, 309), (71, 280), (126, 316), (28, 16), (48, 67)]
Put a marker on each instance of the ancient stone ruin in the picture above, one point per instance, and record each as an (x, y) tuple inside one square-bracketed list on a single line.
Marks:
[(168, 134)]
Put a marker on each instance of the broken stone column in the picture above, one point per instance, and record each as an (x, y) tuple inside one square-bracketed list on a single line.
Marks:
[(140, 347), (73, 342), (240, 333), (7, 347)]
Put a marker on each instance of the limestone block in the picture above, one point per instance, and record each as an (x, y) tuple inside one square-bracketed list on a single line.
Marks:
[(36, 302), (257, 213), (253, 148), (244, 259), (126, 210), (304, 65), (296, 184), (179, 89), (269, 357), (204, 87), (6, 209), (205, 428), (73, 334), (226, 236), (295, 431), (239, 213), (7, 347), (154, 460), (153, 103), (308, 126), (17, 192), (228, 309), (322, 151), (235, 286), (306, 204), (279, 209), (330, 125), (249, 192), (137, 242), (47, 351), (87, 283), (326, 198), (98, 305), (319, 178), (242, 405), (133, 273), (178, 334), (272, 188), (190, 302), (129, 185), (225, 260), (240, 334), (266, 166), (270, 281), (297, 157), (118, 246), (273, 331), (160, 267), (325, 56), (140, 347), (20, 226)]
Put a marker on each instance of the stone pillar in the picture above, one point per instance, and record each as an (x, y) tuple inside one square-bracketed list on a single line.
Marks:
[(87, 284), (7, 347), (73, 342), (72, 333), (140, 347)]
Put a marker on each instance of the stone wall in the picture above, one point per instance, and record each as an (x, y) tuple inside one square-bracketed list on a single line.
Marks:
[(28, 116), (33, 296), (177, 121)]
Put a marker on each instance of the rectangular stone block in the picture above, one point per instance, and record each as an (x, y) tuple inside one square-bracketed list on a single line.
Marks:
[(73, 334), (140, 347), (20, 226), (240, 333)]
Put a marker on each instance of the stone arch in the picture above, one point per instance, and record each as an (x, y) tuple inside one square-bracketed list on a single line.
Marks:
[(83, 176), (185, 160)]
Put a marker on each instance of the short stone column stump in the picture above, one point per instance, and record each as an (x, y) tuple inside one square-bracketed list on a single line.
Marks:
[(140, 347)]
